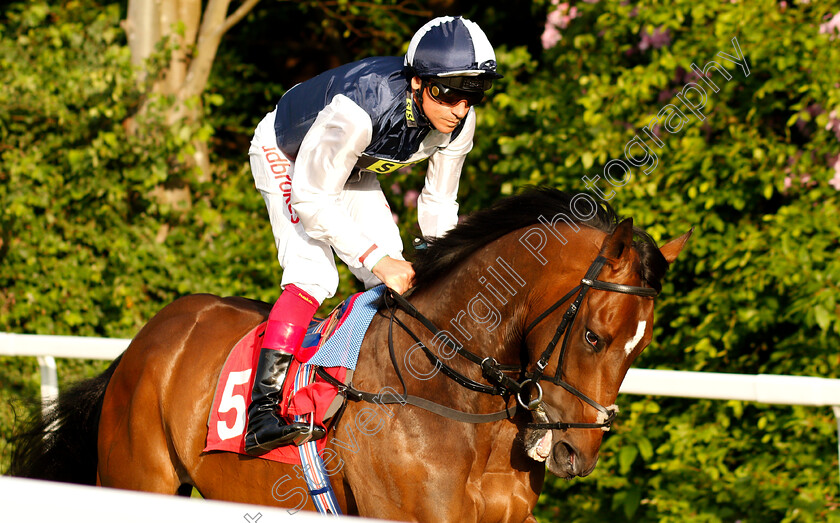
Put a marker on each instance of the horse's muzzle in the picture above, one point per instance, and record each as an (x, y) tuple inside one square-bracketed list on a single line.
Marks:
[(566, 462)]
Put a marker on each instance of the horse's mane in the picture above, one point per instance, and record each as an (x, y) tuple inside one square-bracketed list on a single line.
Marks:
[(515, 212)]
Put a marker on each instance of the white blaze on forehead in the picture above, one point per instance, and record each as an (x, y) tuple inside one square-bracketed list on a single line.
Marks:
[(640, 332)]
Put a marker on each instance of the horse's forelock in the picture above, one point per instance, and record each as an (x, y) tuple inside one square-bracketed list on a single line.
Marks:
[(653, 265)]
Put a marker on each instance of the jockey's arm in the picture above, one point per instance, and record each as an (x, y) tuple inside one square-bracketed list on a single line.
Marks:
[(327, 155), (437, 206)]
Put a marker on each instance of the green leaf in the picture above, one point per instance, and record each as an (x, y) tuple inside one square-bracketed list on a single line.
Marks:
[(587, 159), (632, 501), (626, 457), (822, 316), (645, 448), (768, 191)]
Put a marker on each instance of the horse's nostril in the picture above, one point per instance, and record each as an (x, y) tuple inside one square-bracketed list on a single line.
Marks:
[(571, 451)]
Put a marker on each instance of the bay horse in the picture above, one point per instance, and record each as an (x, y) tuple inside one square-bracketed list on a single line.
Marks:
[(504, 287)]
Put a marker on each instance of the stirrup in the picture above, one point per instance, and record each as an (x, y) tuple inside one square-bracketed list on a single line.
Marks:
[(297, 431), (313, 433)]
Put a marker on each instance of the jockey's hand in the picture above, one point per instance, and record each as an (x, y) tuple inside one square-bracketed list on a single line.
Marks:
[(396, 274)]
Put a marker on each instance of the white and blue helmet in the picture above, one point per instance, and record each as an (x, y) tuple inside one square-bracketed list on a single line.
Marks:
[(449, 47)]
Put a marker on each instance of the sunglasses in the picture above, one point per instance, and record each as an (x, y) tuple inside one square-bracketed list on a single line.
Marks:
[(445, 95)]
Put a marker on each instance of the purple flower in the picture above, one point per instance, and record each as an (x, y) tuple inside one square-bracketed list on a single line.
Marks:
[(666, 95), (831, 27), (396, 189), (682, 76), (562, 16), (835, 182), (833, 123), (557, 19), (658, 38), (550, 36), (410, 198), (814, 110)]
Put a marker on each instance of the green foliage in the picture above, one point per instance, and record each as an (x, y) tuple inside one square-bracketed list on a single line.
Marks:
[(756, 291), (90, 242), (379, 26), (90, 247), (102, 221), (75, 204)]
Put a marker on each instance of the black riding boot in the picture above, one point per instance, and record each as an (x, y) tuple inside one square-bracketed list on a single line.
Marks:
[(266, 428)]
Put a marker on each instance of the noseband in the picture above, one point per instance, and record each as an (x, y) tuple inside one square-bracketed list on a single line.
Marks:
[(533, 378), (502, 384)]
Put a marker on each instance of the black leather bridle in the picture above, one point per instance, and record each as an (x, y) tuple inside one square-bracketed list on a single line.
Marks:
[(504, 385), (533, 378), (500, 383)]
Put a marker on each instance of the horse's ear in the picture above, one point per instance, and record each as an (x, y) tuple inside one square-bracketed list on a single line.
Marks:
[(615, 243), (673, 248)]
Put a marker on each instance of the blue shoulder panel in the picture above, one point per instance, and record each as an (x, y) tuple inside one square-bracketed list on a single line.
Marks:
[(378, 85)]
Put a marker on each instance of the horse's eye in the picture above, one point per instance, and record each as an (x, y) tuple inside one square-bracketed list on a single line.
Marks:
[(591, 338)]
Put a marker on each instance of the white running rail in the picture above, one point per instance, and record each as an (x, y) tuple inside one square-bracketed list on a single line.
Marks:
[(48, 348), (761, 388), (36, 500)]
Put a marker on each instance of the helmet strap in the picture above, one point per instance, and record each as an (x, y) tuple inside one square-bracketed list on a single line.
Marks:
[(417, 94)]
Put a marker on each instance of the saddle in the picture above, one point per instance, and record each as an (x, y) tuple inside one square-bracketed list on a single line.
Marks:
[(308, 396)]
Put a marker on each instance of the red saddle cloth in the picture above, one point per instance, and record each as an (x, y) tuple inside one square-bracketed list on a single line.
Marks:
[(228, 421)]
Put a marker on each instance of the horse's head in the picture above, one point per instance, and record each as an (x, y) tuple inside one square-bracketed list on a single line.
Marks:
[(586, 362)]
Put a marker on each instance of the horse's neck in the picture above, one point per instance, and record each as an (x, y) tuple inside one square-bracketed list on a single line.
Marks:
[(478, 307), (483, 304)]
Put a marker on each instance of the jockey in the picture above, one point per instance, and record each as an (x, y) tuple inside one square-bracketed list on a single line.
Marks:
[(315, 160)]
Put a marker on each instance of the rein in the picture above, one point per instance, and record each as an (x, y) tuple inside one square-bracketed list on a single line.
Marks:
[(500, 383)]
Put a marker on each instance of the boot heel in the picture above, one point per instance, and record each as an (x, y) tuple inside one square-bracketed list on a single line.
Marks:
[(314, 433)]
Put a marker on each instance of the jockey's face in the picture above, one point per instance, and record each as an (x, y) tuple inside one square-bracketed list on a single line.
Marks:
[(445, 118)]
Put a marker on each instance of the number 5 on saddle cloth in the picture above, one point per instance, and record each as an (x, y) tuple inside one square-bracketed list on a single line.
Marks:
[(335, 342)]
